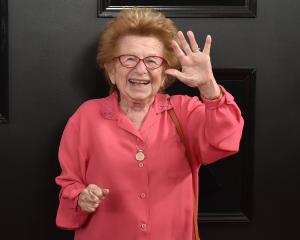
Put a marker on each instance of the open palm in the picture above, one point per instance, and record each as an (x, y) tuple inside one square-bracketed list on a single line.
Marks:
[(196, 65)]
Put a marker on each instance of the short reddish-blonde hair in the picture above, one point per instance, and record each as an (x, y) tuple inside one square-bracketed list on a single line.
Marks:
[(141, 22)]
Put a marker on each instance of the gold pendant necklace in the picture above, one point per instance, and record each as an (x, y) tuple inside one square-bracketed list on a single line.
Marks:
[(140, 156)]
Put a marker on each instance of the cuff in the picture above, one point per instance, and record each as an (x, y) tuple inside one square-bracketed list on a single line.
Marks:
[(213, 104)]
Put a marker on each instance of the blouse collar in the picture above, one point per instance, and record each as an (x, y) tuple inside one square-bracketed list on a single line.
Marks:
[(110, 108)]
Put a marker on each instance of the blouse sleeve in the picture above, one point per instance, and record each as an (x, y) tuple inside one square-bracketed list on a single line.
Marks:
[(213, 128), (72, 158)]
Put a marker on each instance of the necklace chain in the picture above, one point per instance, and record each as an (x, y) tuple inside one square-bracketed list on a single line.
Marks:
[(140, 154)]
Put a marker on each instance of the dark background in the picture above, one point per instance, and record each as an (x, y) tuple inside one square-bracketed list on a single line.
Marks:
[(52, 70), (178, 3)]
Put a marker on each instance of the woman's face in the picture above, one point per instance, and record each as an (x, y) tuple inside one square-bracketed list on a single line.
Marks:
[(137, 84)]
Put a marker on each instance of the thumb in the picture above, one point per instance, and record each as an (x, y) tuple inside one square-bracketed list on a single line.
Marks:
[(94, 189), (175, 73), (105, 191)]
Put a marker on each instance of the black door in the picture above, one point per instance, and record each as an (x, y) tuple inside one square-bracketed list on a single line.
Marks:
[(52, 69)]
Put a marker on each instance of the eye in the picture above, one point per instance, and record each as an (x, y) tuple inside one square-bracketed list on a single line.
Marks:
[(129, 59), (152, 60)]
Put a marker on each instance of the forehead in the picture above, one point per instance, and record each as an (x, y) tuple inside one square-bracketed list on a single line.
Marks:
[(139, 45)]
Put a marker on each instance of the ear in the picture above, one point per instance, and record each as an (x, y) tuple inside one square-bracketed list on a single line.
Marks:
[(164, 77), (163, 82), (110, 70)]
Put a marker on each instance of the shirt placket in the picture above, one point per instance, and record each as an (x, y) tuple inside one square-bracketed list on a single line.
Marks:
[(142, 193)]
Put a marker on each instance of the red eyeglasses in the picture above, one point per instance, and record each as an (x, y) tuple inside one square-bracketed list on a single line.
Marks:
[(151, 62)]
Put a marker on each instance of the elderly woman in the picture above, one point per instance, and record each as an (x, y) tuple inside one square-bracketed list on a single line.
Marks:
[(125, 172)]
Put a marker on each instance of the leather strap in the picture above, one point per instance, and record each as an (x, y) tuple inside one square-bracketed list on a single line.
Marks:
[(183, 140)]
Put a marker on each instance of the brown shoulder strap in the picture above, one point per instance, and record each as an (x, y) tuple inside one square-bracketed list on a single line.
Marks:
[(182, 138), (177, 125)]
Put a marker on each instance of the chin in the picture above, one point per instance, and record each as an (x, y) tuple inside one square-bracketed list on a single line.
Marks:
[(141, 97)]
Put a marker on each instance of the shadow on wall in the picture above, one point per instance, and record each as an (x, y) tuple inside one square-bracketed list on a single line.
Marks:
[(88, 77), (89, 82)]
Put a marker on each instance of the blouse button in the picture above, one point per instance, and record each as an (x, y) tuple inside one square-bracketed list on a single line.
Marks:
[(143, 195), (141, 164), (143, 226)]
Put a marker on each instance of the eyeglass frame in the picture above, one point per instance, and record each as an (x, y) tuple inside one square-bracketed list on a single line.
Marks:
[(140, 59)]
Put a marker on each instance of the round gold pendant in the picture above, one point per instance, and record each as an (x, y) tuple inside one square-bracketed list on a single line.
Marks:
[(140, 155)]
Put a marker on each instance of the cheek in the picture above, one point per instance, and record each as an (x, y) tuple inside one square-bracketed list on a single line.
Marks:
[(158, 78), (112, 75), (163, 76), (118, 76), (123, 76)]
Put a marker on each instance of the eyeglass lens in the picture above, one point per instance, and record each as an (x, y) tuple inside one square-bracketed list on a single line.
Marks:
[(150, 62)]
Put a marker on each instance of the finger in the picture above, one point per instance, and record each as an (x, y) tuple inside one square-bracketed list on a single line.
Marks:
[(185, 46), (207, 45), (178, 51), (92, 195), (192, 40), (95, 190), (92, 187), (89, 209), (93, 198), (91, 202), (86, 205), (177, 74), (89, 196), (93, 205), (88, 202), (84, 194), (105, 191), (104, 194)]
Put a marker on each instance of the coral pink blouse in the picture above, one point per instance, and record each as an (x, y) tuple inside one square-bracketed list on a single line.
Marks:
[(149, 199)]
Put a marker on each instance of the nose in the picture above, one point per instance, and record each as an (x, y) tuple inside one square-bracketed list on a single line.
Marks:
[(141, 67)]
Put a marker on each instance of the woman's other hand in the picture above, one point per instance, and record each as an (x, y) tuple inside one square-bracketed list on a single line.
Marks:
[(196, 65), (90, 198)]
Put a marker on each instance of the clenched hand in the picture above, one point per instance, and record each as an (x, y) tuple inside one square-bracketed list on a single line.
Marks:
[(90, 198)]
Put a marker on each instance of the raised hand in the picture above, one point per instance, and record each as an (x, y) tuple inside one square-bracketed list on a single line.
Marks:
[(196, 65), (90, 198)]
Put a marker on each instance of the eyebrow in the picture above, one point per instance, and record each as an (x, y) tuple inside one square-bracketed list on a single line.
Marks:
[(148, 55)]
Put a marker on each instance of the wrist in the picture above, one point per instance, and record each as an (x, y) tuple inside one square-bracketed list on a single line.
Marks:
[(216, 97), (210, 90)]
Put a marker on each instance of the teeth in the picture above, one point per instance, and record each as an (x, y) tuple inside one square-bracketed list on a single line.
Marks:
[(138, 81)]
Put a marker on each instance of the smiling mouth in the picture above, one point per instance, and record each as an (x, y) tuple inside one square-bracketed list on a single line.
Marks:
[(135, 81)]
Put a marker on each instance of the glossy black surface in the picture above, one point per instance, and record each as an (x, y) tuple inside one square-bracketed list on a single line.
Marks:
[(225, 187), (185, 9), (52, 68), (4, 100), (179, 3)]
